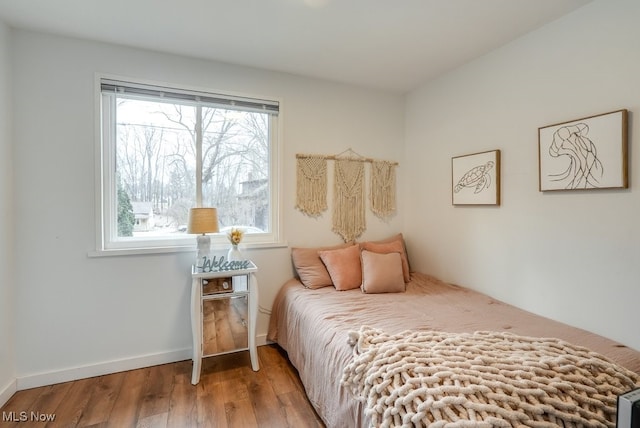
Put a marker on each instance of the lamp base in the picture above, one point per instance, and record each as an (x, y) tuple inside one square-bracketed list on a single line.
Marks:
[(204, 247)]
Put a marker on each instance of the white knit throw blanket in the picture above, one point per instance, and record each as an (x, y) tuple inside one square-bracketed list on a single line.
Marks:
[(482, 379)]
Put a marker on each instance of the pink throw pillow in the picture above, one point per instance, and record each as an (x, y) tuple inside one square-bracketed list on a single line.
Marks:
[(382, 273), (393, 245), (344, 267), (310, 269)]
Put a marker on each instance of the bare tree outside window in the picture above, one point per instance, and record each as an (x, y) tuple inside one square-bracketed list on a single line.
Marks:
[(160, 146)]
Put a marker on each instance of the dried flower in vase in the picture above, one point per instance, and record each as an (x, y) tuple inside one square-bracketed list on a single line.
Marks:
[(235, 236)]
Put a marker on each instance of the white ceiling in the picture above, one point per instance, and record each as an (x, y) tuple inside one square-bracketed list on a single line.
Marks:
[(391, 45)]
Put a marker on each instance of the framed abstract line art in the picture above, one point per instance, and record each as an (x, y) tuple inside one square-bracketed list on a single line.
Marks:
[(587, 153), (475, 179)]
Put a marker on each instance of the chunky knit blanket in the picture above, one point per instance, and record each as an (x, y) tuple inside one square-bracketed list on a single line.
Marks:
[(482, 379)]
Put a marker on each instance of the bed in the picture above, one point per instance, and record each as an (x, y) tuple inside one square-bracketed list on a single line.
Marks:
[(346, 344)]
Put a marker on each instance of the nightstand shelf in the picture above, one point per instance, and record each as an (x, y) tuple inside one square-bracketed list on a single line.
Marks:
[(224, 306)]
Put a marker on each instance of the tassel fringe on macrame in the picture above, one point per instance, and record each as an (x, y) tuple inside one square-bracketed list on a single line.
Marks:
[(348, 197), (311, 192), (383, 189)]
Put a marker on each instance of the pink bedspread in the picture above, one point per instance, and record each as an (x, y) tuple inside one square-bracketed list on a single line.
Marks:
[(313, 326)]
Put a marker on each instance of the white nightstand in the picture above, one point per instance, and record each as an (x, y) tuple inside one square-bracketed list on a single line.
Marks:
[(224, 307)]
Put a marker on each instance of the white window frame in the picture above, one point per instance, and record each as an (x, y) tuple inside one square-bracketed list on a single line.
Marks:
[(107, 242)]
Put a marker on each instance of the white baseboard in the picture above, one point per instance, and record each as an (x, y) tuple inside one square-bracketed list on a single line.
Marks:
[(8, 391), (261, 340), (59, 376)]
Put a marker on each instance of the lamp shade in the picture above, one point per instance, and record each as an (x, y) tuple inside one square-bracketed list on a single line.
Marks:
[(202, 220)]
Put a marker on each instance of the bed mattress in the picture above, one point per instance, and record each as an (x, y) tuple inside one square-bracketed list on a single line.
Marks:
[(313, 327)]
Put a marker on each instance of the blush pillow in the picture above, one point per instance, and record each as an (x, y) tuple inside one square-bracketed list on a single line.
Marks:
[(309, 266), (395, 244), (382, 273), (344, 267)]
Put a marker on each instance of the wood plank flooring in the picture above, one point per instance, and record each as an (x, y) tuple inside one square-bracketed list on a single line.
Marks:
[(229, 394)]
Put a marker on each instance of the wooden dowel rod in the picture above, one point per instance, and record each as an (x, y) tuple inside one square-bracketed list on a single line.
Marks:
[(333, 157)]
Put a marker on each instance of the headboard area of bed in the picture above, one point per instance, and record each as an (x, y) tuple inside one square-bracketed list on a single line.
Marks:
[(380, 346), (355, 265)]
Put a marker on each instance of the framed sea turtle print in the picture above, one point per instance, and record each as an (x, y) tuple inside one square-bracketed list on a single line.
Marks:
[(475, 179), (587, 153)]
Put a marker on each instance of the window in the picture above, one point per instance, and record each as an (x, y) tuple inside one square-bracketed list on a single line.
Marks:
[(165, 150)]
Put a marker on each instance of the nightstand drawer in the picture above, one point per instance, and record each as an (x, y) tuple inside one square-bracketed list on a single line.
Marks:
[(217, 285)]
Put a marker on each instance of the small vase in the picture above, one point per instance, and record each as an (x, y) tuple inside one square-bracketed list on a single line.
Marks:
[(234, 254)]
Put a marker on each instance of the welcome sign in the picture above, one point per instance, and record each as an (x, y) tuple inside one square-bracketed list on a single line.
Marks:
[(222, 265)]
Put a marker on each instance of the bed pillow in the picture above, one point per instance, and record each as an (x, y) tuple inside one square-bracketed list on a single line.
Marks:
[(344, 267), (395, 244), (309, 267), (382, 273)]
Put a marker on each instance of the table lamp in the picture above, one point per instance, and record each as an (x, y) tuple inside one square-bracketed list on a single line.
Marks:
[(201, 222)]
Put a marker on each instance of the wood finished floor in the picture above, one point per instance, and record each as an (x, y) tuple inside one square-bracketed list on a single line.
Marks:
[(229, 394)]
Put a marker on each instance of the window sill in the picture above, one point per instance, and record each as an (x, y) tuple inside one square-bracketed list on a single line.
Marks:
[(180, 249)]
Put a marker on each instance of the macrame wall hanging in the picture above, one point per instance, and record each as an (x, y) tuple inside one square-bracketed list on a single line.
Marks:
[(311, 192), (382, 189), (348, 190), (348, 199)]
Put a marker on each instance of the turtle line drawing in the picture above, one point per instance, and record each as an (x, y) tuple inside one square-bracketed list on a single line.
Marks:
[(477, 176)]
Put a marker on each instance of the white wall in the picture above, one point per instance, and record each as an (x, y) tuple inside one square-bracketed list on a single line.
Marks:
[(7, 341), (78, 315), (571, 256)]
